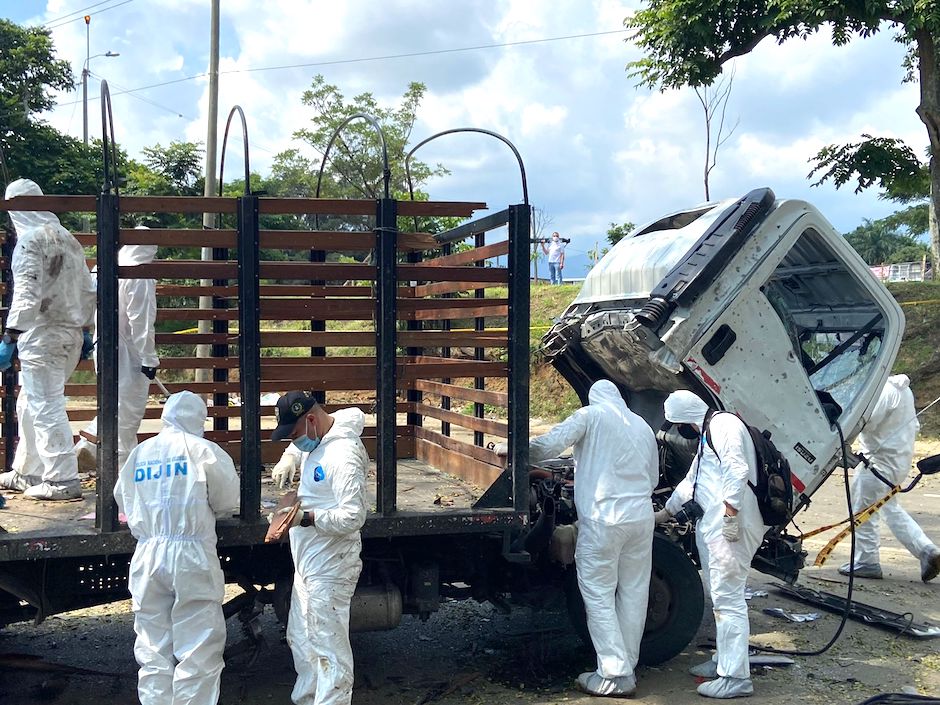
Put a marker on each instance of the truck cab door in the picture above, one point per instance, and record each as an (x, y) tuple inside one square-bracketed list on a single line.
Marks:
[(806, 344)]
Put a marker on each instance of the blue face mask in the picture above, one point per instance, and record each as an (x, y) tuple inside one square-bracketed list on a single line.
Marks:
[(306, 444)]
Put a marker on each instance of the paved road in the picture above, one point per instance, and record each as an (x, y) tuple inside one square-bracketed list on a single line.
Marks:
[(470, 653)]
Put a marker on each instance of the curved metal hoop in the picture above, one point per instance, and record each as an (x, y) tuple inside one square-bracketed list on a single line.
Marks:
[(525, 187), (228, 124), (386, 172), (108, 143)]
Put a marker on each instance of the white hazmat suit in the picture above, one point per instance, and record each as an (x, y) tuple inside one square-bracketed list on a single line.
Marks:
[(53, 299), (327, 562), (887, 442), (172, 488), (137, 312), (616, 470), (719, 480)]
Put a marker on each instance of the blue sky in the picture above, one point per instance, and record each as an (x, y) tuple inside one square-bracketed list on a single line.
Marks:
[(597, 149)]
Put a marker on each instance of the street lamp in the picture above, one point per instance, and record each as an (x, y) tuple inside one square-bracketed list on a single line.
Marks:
[(88, 58)]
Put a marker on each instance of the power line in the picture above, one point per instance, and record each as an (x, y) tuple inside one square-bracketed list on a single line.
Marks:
[(74, 19), (77, 12), (384, 57), (140, 97)]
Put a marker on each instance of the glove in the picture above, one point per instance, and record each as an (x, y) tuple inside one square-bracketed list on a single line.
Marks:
[(88, 345), (662, 516), (7, 351), (501, 449), (730, 527), (149, 372), (285, 471)]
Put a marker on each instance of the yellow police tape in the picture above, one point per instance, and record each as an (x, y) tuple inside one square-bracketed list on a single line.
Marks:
[(918, 303), (857, 520)]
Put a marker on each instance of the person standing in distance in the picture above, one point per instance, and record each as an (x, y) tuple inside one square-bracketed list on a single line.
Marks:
[(556, 258), (49, 327), (172, 488), (325, 544), (727, 536), (617, 467)]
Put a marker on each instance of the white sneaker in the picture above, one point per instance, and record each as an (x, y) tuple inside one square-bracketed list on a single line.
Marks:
[(15, 482), (54, 492), (87, 455), (727, 687)]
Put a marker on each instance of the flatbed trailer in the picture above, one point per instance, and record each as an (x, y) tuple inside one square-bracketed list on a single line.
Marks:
[(421, 301)]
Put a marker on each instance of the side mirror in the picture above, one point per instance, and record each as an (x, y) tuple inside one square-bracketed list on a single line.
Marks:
[(929, 465)]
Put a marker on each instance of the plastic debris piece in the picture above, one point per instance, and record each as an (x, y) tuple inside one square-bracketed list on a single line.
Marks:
[(792, 616), (749, 593)]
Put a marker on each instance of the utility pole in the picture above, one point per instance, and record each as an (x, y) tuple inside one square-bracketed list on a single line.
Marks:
[(85, 78), (212, 137)]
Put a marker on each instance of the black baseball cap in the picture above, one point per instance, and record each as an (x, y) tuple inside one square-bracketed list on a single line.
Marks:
[(289, 408)]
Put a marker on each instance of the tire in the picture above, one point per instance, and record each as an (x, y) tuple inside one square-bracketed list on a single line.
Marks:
[(676, 604)]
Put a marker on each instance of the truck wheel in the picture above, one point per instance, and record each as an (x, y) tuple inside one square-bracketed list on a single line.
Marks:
[(676, 604)]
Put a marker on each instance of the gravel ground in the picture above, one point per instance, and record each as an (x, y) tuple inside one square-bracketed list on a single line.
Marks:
[(470, 653)]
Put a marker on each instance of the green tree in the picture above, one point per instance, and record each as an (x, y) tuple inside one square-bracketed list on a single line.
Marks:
[(354, 168), (687, 42), (618, 231), (29, 76), (882, 242)]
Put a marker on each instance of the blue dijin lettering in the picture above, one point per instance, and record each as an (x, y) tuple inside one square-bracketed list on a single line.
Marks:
[(158, 473), (139, 475), (180, 469)]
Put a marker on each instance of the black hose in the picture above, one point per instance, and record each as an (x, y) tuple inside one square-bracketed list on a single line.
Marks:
[(848, 597)]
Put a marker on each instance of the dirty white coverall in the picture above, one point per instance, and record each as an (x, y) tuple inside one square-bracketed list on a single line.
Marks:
[(327, 562), (617, 467), (717, 479), (172, 488), (888, 442), (137, 312), (53, 299)]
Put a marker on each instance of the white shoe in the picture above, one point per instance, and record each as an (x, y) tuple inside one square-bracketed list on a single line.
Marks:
[(87, 455), (726, 687), (594, 683), (15, 482), (709, 669), (55, 492)]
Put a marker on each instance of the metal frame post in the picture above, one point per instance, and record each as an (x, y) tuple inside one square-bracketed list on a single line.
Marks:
[(479, 354), (386, 315), (318, 326), (414, 395), (518, 324), (106, 517), (249, 353), (220, 327)]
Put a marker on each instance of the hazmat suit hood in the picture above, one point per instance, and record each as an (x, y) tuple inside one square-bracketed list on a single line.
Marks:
[(24, 220), (899, 382), (132, 255), (605, 392), (683, 406), (185, 411)]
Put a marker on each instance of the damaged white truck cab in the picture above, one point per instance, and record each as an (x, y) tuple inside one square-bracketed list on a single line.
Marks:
[(758, 305)]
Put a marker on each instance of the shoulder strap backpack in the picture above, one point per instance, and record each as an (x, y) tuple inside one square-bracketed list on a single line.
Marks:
[(774, 488)]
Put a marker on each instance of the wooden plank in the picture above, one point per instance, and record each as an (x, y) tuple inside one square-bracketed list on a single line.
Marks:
[(480, 311), (456, 338), (466, 468), (323, 271), (463, 393), (494, 428), (200, 204), (271, 290), (275, 338), (154, 412), (476, 254), (451, 287), (301, 381), (484, 455), (271, 451)]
